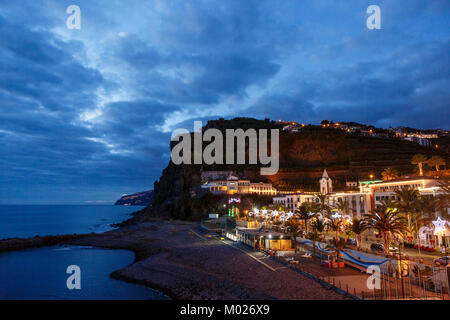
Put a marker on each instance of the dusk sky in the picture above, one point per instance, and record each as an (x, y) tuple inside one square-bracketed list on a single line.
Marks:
[(87, 114)]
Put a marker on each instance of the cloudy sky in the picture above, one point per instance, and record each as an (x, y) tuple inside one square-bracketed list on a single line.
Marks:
[(86, 115)]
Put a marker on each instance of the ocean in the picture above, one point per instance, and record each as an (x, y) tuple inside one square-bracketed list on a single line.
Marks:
[(41, 273), (31, 220)]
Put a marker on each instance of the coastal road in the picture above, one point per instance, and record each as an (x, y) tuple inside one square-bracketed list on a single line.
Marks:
[(259, 256)]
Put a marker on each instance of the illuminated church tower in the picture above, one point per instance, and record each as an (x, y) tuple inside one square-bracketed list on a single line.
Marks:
[(326, 185)]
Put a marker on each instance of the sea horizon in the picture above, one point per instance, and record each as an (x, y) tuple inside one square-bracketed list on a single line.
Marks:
[(29, 220)]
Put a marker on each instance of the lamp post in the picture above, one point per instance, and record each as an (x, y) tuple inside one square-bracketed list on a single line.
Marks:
[(418, 242), (401, 267)]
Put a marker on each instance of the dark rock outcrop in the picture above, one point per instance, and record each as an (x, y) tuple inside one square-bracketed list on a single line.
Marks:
[(143, 198)]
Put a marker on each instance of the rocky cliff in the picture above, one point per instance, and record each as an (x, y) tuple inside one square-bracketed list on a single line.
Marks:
[(303, 156), (143, 198)]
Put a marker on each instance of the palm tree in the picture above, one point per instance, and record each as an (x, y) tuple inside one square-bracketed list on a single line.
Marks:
[(357, 227), (389, 203), (305, 212), (406, 200), (342, 206), (436, 161), (294, 229), (336, 224), (339, 245), (419, 159), (389, 174), (318, 227), (426, 207), (443, 198), (314, 237), (387, 222), (425, 210), (323, 205)]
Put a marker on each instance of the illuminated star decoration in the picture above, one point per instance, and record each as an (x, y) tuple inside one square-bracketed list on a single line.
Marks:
[(439, 226), (336, 216)]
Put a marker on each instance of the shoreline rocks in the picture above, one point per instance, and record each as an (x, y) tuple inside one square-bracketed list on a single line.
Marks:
[(12, 244)]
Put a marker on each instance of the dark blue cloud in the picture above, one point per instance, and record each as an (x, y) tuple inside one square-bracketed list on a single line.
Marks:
[(208, 77), (87, 114)]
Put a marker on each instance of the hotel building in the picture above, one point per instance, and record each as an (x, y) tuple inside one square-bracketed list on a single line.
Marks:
[(358, 201), (370, 194), (231, 184)]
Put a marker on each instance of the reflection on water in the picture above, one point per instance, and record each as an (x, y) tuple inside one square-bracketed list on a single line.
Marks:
[(41, 274)]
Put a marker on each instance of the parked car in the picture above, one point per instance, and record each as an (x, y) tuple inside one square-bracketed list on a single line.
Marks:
[(377, 246), (443, 261), (351, 242), (394, 249)]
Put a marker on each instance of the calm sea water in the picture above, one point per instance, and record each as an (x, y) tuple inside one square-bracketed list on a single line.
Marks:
[(41, 273), (28, 221)]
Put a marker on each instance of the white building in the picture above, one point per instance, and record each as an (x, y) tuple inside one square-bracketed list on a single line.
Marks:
[(233, 185), (418, 139), (351, 184), (357, 201), (326, 185), (371, 194), (384, 190), (293, 200)]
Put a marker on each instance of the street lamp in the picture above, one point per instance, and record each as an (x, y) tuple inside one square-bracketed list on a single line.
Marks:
[(401, 267)]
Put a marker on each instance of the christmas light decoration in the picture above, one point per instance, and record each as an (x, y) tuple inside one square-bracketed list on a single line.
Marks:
[(439, 226)]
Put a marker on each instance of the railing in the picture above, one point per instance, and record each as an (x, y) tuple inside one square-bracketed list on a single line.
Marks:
[(414, 281), (418, 282)]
